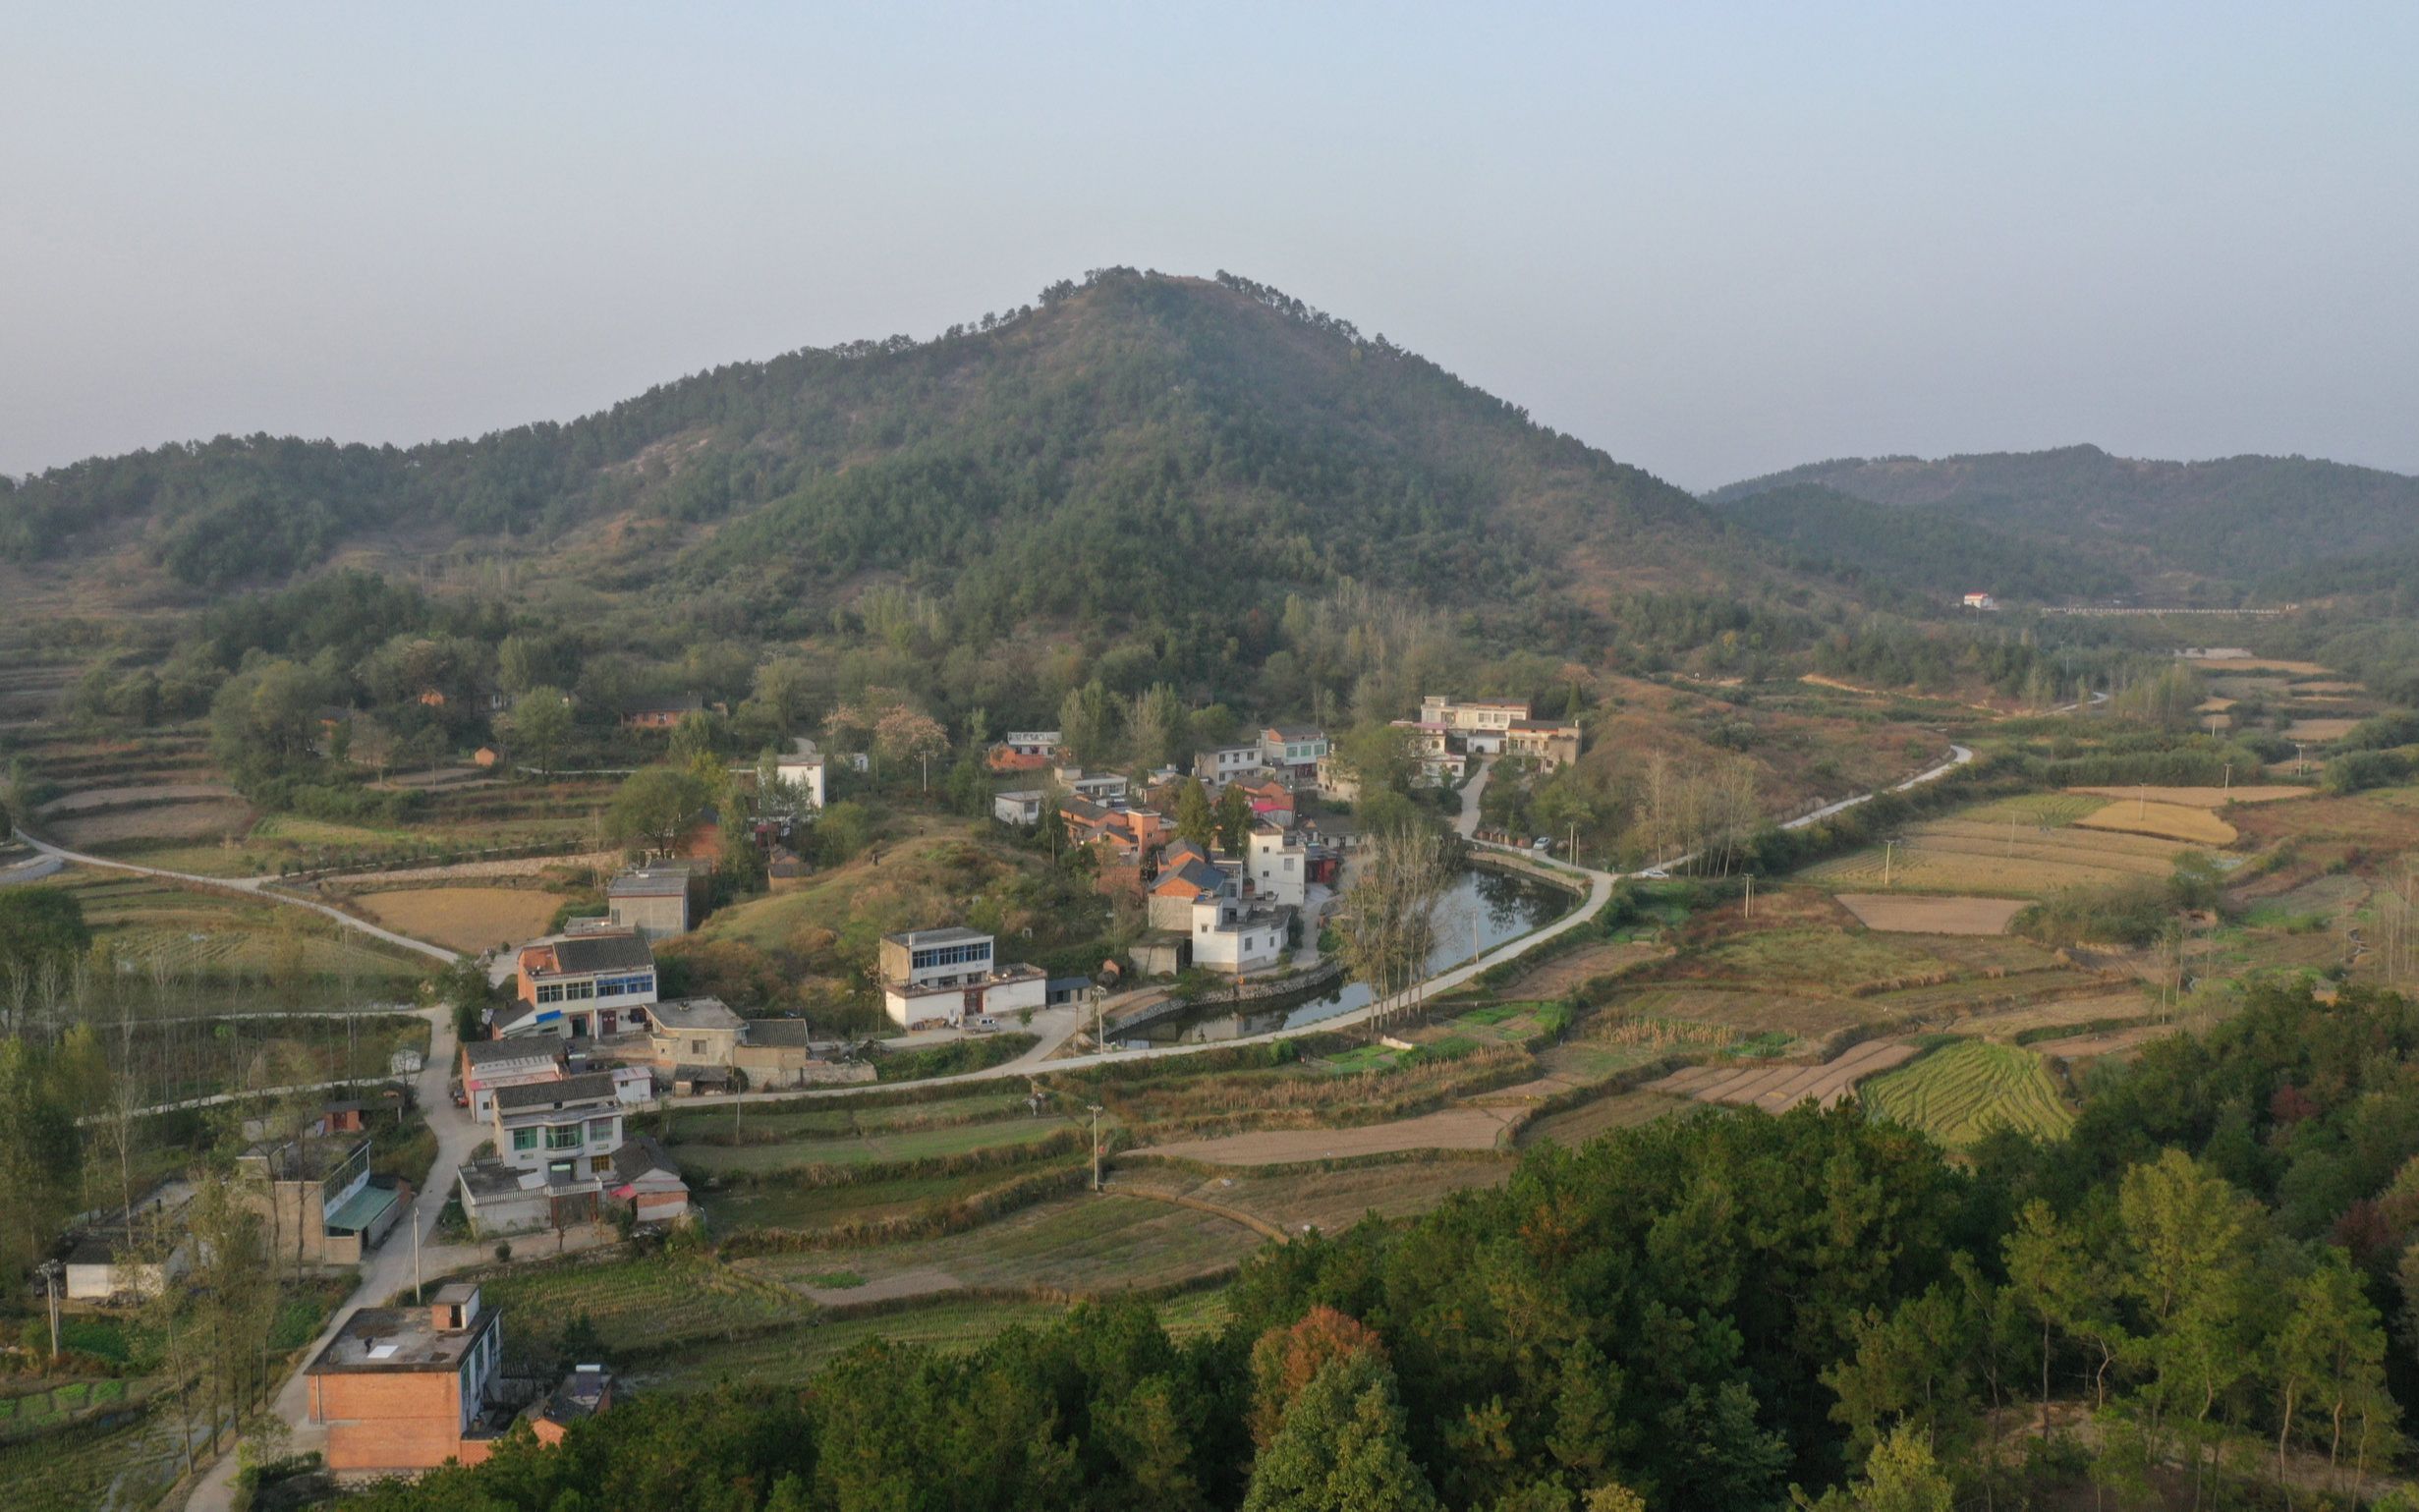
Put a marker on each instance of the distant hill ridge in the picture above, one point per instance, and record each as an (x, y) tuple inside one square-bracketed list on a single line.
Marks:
[(2236, 518)]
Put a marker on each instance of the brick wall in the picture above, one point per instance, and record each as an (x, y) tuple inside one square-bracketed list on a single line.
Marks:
[(381, 1421)]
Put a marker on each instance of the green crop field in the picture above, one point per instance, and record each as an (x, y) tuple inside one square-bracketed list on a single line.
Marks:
[(1965, 1089), (788, 1205), (875, 1149), (636, 1303)]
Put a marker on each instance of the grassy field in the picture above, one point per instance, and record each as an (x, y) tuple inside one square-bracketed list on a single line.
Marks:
[(791, 1356), (873, 1149), (1962, 1092), (1083, 1244), (465, 918), (806, 1210), (224, 949), (634, 1303), (121, 1464)]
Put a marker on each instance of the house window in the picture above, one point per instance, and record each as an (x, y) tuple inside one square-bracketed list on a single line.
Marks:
[(697, 1047), (524, 1140), (562, 1137), (600, 1131), (551, 995), (580, 990)]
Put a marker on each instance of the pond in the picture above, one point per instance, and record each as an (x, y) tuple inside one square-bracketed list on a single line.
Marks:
[(1481, 910)]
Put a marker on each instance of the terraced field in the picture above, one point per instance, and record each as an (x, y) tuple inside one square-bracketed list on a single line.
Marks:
[(1975, 855), (1778, 1088), (2164, 821), (222, 943), (1962, 1092)]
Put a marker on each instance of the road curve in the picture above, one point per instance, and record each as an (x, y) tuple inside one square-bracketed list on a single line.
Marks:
[(258, 887)]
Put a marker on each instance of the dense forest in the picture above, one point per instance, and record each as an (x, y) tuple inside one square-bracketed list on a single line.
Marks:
[(1940, 553), (2238, 519), (2203, 1289)]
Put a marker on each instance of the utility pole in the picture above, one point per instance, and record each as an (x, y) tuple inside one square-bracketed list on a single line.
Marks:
[(2298, 767), (1095, 1146), (415, 1219), (50, 1276), (1888, 848), (1099, 1040), (1749, 912)]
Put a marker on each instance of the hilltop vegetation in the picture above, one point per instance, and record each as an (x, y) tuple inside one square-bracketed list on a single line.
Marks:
[(1085, 457), (2238, 519), (1940, 554)]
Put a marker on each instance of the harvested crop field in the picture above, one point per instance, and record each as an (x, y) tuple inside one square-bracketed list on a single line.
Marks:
[(1962, 1092), (2320, 729), (2164, 821), (1456, 1127), (1574, 1127), (1778, 1088), (1979, 856), (1899, 914), (2200, 798), (465, 918)]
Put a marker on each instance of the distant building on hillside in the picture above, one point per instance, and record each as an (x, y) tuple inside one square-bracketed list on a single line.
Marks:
[(1981, 601)]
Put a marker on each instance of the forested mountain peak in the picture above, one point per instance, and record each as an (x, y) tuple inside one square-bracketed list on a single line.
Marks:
[(1137, 439)]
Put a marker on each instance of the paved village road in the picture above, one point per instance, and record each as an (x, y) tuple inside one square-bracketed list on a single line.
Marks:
[(388, 1269)]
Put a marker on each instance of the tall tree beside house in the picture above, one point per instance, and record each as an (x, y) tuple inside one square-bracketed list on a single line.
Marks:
[(1196, 820), (1379, 758), (1087, 723), (909, 735), (654, 805), (785, 688), (1234, 820), (1153, 723), (538, 726)]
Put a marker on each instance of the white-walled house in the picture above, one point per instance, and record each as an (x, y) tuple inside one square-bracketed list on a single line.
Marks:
[(1235, 936), (1227, 763), (941, 977), (803, 772), (1278, 866)]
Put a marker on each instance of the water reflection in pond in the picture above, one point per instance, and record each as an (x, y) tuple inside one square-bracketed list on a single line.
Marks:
[(1481, 910)]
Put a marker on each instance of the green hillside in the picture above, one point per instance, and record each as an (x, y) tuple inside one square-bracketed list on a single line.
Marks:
[(2236, 518), (1138, 443), (1938, 553)]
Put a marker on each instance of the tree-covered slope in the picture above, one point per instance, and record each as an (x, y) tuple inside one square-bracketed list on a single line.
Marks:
[(1940, 553), (1141, 442), (2238, 517)]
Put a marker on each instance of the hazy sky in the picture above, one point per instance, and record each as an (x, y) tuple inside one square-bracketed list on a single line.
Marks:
[(1713, 243)]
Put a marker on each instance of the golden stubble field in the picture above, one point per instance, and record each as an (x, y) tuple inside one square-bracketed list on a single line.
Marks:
[(465, 918)]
